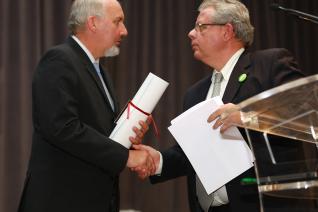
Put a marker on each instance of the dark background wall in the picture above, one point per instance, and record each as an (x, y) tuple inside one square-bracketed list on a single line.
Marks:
[(158, 43)]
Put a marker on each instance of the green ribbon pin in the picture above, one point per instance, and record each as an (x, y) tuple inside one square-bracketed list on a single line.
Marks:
[(242, 77)]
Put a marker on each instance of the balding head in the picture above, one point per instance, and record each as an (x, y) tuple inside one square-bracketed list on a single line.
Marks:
[(99, 25), (81, 10)]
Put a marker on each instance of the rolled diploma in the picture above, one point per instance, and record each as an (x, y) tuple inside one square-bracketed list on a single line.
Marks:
[(146, 99)]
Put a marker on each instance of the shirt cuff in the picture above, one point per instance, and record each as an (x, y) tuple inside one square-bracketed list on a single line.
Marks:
[(249, 119), (159, 169)]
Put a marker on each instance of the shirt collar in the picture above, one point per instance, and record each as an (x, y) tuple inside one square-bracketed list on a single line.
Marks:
[(229, 66), (88, 53)]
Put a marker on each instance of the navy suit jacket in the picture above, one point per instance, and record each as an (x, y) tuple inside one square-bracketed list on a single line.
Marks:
[(265, 69), (74, 166)]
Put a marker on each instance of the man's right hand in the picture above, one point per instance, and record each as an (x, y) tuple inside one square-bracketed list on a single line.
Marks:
[(153, 153), (141, 161)]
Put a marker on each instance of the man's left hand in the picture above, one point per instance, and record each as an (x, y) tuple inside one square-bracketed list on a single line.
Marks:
[(226, 116), (144, 127)]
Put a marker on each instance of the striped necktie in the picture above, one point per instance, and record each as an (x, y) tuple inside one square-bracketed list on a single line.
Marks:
[(206, 200), (218, 77)]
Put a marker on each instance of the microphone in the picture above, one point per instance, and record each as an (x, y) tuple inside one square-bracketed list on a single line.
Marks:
[(299, 14), (276, 7)]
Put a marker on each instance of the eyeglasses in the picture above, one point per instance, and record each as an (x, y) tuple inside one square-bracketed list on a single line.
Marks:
[(198, 27)]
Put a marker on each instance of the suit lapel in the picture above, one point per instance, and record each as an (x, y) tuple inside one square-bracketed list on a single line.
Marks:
[(110, 88), (203, 90), (198, 93), (89, 67), (242, 67)]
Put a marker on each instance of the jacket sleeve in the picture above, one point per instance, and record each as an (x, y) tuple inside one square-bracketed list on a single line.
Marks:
[(175, 164)]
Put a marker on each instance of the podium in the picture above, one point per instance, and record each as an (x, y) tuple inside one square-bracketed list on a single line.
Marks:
[(281, 125)]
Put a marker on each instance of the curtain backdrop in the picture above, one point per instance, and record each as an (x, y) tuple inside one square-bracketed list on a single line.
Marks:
[(158, 43)]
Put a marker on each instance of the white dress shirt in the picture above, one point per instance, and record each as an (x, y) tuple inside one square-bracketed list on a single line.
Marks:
[(220, 195)]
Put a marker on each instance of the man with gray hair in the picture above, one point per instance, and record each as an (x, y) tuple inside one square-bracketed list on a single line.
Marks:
[(74, 165), (220, 38)]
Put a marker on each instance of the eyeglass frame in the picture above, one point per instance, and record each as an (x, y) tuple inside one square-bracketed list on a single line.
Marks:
[(199, 27)]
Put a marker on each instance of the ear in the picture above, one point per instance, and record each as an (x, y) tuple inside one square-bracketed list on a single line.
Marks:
[(91, 23), (228, 32)]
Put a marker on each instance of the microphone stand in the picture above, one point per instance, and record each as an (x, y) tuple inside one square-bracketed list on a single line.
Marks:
[(297, 13)]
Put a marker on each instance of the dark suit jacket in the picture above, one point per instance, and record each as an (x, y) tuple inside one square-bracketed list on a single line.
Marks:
[(74, 166), (265, 69)]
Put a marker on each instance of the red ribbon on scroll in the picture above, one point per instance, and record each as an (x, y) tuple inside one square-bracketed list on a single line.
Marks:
[(144, 112)]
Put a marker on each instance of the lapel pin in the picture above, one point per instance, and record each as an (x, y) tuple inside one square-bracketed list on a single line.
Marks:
[(242, 77)]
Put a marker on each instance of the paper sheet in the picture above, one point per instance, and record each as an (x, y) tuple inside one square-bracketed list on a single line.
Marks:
[(146, 99), (216, 158)]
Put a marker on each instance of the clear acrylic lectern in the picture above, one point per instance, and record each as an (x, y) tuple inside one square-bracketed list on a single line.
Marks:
[(285, 154)]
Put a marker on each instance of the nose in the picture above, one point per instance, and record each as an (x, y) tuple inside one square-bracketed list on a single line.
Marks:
[(123, 31), (191, 34)]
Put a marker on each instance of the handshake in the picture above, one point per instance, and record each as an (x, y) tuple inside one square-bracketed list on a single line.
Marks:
[(145, 160), (142, 159)]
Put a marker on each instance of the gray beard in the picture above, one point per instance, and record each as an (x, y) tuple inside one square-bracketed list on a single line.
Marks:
[(113, 51)]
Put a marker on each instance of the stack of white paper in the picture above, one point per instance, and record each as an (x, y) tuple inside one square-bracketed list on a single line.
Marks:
[(216, 158), (146, 99)]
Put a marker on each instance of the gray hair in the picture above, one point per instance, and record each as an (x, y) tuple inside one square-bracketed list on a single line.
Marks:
[(81, 10), (235, 13)]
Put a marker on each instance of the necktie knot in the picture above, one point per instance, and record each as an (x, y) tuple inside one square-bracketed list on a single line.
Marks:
[(218, 77)]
